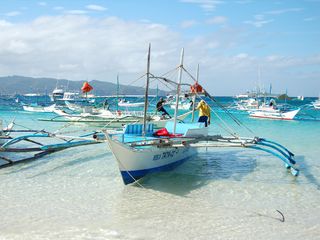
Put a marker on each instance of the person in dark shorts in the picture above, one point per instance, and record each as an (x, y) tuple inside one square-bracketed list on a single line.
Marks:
[(160, 108), (204, 112)]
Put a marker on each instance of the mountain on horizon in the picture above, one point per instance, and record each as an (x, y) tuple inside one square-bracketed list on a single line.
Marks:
[(22, 85)]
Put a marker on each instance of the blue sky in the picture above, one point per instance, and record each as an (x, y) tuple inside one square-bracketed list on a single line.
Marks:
[(230, 39)]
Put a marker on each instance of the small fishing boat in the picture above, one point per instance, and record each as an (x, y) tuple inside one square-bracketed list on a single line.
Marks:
[(37, 108), (105, 117), (123, 103), (274, 113), (316, 104), (110, 119), (247, 104), (137, 154), (300, 98), (183, 105), (140, 150)]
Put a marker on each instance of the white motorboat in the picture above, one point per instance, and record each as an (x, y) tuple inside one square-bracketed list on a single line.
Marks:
[(57, 94)]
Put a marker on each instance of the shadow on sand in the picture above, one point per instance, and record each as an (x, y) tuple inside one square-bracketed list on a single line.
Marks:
[(305, 170)]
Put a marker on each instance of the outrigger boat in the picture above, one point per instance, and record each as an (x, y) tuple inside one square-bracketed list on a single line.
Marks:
[(272, 113), (111, 120), (37, 108), (139, 150), (123, 103)]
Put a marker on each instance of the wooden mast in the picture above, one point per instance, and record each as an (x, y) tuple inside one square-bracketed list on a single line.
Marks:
[(146, 94), (118, 87), (178, 91), (194, 96)]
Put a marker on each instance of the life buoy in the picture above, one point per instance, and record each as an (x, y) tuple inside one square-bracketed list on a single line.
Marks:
[(119, 113)]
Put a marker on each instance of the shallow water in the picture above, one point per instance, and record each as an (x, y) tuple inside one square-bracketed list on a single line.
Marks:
[(219, 194)]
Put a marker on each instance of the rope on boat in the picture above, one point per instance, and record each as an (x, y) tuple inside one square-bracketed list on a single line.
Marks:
[(235, 119)]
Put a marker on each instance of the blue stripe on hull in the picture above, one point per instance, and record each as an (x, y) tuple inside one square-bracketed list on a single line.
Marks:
[(131, 176)]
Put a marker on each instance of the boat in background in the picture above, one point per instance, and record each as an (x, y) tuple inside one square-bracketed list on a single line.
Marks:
[(247, 104), (5, 131), (316, 103), (37, 108), (183, 105), (274, 113), (57, 94), (110, 119), (301, 98), (124, 103)]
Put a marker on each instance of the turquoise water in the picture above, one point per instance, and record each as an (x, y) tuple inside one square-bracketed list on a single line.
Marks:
[(220, 194)]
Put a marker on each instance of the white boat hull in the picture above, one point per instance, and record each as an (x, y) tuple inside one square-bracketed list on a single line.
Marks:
[(136, 163), (39, 108), (183, 106), (114, 120), (275, 114), (128, 104), (316, 104)]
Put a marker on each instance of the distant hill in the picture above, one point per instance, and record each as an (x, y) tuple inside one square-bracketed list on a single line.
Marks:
[(22, 85)]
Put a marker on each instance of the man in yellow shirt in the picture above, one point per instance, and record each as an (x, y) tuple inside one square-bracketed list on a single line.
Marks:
[(204, 112)]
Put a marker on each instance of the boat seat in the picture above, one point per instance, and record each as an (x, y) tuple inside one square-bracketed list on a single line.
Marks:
[(136, 129)]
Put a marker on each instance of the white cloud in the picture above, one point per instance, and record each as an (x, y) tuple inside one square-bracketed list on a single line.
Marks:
[(58, 8), (259, 23), (217, 20), (96, 7), (206, 5), (76, 12), (188, 23), (244, 1), (282, 11), (42, 4), (12, 14), (241, 56), (78, 47), (309, 19), (4, 23)]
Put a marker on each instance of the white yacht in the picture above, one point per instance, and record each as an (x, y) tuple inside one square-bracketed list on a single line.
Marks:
[(57, 94)]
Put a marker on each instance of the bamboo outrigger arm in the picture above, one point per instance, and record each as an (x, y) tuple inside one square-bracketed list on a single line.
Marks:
[(43, 149)]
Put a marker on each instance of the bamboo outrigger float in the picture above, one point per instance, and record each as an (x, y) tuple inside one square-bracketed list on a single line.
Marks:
[(139, 150)]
